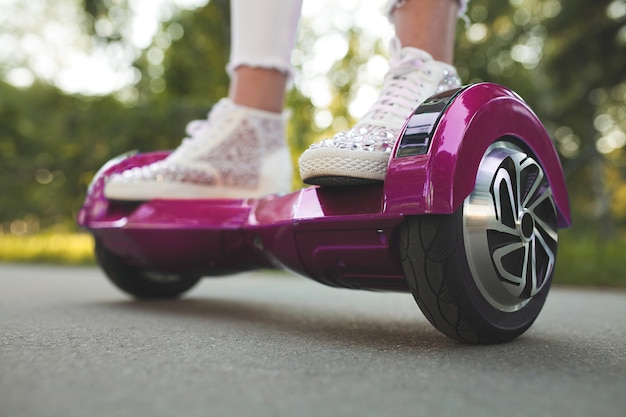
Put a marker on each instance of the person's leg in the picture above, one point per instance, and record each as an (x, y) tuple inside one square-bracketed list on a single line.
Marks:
[(258, 88), (429, 25), (419, 67), (263, 37), (240, 151)]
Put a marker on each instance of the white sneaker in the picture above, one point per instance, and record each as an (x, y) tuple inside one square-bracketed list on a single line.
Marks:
[(238, 152), (361, 154)]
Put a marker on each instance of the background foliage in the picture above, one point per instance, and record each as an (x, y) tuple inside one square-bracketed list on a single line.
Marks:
[(566, 58)]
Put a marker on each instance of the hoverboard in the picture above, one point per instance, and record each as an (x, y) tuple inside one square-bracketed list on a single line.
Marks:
[(466, 220)]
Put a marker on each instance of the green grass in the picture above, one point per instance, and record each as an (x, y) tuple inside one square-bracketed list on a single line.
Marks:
[(582, 261), (60, 248), (589, 261)]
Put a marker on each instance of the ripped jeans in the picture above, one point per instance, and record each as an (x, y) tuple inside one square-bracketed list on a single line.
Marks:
[(263, 32)]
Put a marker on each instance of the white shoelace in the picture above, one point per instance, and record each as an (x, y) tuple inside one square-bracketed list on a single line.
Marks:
[(199, 131), (402, 88)]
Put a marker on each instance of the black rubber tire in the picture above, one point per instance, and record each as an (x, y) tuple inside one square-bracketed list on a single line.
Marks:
[(481, 274), (432, 252), (140, 283)]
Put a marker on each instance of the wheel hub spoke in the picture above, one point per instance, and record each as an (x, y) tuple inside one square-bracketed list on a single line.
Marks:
[(511, 252)]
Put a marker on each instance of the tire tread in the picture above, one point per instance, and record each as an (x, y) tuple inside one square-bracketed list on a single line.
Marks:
[(430, 255)]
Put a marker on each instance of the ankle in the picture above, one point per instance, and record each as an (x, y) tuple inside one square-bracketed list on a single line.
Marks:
[(429, 25), (258, 88)]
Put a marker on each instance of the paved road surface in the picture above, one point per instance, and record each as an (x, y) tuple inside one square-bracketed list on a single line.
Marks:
[(275, 345)]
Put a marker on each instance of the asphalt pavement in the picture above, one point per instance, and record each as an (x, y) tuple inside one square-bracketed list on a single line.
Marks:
[(267, 344)]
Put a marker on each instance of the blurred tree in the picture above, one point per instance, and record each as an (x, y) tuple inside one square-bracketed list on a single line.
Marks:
[(564, 57), (587, 39), (108, 19)]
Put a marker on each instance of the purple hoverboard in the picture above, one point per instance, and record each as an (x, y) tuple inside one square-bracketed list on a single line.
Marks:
[(466, 221)]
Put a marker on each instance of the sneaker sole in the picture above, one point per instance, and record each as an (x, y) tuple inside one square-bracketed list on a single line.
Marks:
[(138, 191), (338, 181), (342, 167)]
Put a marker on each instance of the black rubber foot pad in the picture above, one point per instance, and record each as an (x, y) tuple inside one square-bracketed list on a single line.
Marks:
[(338, 181)]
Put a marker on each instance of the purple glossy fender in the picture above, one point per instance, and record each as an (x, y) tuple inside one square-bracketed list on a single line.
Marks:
[(439, 181)]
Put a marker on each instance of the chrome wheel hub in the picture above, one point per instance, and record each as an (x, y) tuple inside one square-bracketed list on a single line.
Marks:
[(509, 226)]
